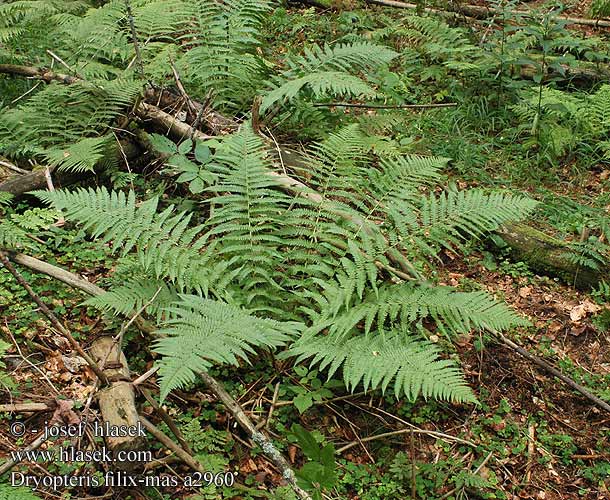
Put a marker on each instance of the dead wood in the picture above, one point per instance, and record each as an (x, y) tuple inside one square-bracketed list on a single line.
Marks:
[(25, 407), (117, 400), (481, 12), (548, 255), (37, 73), (18, 185)]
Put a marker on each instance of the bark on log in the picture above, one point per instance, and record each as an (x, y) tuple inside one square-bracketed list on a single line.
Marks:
[(117, 401), (548, 255)]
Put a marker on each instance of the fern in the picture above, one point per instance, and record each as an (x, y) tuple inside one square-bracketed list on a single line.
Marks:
[(326, 72), (408, 304), (15, 230), (247, 213), (455, 216), (81, 156), (375, 361), (9, 492), (222, 40), (321, 85), (205, 331), (62, 123), (135, 294), (166, 247)]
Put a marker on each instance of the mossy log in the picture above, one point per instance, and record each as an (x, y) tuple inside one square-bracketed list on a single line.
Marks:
[(547, 255)]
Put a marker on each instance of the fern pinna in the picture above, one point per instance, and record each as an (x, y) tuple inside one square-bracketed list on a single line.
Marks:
[(268, 269)]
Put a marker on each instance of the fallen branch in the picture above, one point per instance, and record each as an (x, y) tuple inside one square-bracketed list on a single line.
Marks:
[(25, 407), (384, 106), (18, 185), (34, 445), (395, 433), (37, 73), (52, 318), (481, 12), (259, 438), (168, 443), (544, 365), (168, 123)]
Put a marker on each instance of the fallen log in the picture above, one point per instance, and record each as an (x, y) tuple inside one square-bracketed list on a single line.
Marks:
[(480, 12), (117, 402), (18, 185), (548, 255)]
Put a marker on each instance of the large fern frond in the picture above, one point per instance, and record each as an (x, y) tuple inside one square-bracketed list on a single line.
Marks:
[(166, 246), (133, 295), (376, 360), (204, 331), (326, 72), (408, 304), (60, 115)]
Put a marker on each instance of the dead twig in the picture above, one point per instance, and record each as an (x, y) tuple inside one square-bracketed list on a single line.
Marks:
[(134, 36), (168, 420), (34, 445), (544, 365), (12, 167), (24, 407), (383, 106), (168, 443), (142, 378)]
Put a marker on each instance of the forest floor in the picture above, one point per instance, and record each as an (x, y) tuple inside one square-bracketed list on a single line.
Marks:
[(531, 437)]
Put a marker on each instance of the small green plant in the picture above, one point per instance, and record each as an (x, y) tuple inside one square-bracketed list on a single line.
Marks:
[(319, 473), (310, 388)]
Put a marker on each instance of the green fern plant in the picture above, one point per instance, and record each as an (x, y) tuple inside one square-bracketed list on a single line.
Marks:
[(326, 72), (9, 492), (376, 361), (222, 38), (67, 126), (268, 269)]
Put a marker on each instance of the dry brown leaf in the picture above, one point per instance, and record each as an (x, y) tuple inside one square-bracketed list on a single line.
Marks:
[(73, 363), (581, 310), (292, 452)]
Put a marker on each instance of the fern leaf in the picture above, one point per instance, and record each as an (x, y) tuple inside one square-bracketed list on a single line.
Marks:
[(133, 295), (407, 304), (376, 360), (166, 246), (321, 84), (205, 332)]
